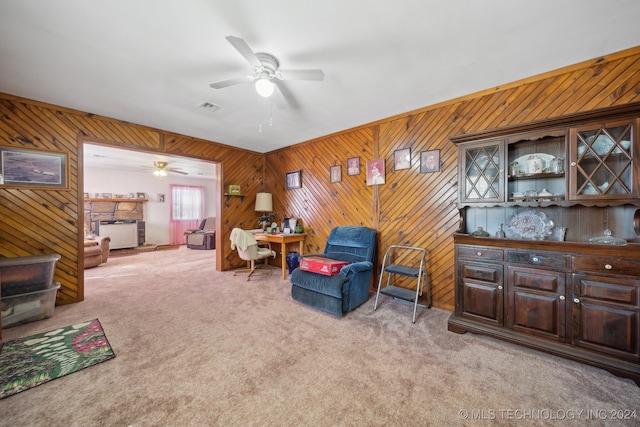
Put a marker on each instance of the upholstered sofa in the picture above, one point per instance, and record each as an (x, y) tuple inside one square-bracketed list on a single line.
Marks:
[(96, 250), (203, 237), (347, 290)]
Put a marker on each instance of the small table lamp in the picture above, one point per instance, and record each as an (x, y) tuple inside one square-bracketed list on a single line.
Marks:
[(264, 203)]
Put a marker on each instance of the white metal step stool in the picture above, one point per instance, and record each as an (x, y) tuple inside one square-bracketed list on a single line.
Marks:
[(405, 254)]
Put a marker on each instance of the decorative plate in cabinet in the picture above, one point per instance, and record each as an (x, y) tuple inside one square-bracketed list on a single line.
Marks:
[(529, 224)]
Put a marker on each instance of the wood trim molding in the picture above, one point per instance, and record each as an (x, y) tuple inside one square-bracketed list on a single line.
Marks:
[(570, 119)]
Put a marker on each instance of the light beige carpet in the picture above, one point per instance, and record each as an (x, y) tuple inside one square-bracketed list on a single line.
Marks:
[(196, 348)]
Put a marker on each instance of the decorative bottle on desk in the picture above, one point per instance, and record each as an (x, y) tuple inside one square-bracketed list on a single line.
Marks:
[(500, 233)]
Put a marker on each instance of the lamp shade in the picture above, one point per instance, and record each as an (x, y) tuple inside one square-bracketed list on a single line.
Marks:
[(264, 202)]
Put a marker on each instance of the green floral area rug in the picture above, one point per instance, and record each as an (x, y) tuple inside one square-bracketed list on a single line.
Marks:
[(28, 362)]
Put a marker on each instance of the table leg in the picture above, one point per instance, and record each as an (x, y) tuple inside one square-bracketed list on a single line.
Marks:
[(283, 248)]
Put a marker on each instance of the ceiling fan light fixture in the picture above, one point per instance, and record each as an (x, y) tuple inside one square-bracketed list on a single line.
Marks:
[(160, 172), (264, 87)]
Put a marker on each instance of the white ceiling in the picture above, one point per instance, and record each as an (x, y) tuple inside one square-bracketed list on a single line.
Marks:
[(115, 159), (151, 61)]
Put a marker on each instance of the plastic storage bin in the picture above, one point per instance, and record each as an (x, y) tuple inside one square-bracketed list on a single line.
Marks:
[(24, 274), (28, 307)]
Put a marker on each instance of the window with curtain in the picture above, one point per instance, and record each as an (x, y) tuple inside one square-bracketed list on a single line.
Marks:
[(187, 210)]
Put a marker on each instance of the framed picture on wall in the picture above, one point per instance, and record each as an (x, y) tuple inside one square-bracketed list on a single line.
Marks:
[(33, 168), (402, 159), (353, 166), (335, 173), (293, 180), (375, 172), (430, 161)]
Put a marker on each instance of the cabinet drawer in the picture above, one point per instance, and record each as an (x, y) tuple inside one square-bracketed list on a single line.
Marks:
[(543, 259), (607, 289), (482, 272), (625, 266), (480, 253)]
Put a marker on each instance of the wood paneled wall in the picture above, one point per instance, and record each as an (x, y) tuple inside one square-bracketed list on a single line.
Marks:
[(419, 209), (411, 208), (36, 222)]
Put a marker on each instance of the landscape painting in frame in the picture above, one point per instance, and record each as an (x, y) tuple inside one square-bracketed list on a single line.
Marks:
[(33, 168)]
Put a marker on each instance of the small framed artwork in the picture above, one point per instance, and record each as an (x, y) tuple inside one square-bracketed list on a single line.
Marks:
[(293, 180), (106, 195), (353, 166), (131, 196), (160, 198), (141, 195), (234, 189), (375, 172), (402, 158), (85, 195), (33, 168), (430, 161), (336, 173)]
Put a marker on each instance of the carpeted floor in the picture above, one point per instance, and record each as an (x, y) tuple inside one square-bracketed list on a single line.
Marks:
[(199, 348)]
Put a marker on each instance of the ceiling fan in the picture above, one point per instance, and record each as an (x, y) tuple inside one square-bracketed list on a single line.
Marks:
[(162, 169), (266, 68)]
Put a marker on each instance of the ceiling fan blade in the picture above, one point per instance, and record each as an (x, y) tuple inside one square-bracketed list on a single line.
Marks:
[(231, 82), (177, 171), (317, 75), (241, 46), (287, 97), (278, 98)]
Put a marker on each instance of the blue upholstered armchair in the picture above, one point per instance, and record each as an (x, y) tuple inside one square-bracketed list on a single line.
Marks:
[(343, 292)]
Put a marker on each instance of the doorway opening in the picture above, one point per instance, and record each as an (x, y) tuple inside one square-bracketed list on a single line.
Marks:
[(115, 177)]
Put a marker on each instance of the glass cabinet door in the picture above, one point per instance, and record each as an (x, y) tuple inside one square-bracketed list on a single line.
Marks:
[(602, 164), (481, 172)]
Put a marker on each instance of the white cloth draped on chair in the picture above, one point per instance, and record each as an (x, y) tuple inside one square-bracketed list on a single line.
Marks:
[(249, 250)]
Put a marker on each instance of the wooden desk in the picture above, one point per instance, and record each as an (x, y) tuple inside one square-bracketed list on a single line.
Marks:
[(283, 239)]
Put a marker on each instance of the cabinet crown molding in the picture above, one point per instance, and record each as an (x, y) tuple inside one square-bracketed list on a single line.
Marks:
[(617, 112)]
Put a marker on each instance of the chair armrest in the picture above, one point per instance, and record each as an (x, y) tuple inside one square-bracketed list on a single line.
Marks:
[(264, 244), (356, 267), (306, 255), (190, 231)]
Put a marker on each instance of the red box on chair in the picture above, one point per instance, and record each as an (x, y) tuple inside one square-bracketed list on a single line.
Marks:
[(321, 265)]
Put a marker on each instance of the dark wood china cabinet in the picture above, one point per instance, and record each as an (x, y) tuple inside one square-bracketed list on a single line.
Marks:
[(560, 268)]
